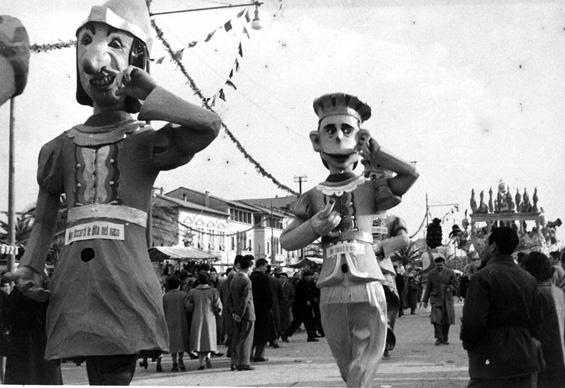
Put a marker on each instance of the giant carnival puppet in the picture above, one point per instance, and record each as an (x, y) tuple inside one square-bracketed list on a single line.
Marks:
[(14, 58), (341, 211), (105, 300)]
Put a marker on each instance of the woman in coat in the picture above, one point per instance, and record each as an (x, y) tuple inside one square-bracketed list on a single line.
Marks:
[(206, 305), (175, 305)]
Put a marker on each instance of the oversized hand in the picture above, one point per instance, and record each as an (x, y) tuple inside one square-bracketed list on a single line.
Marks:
[(367, 146), (136, 83), (325, 221), (29, 282)]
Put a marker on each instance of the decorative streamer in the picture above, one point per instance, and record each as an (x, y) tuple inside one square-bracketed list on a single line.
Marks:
[(43, 48), (206, 104)]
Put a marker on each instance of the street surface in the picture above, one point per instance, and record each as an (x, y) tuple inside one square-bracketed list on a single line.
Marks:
[(415, 363)]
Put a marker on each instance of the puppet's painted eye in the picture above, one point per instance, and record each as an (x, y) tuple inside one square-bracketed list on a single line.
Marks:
[(116, 43), (85, 40)]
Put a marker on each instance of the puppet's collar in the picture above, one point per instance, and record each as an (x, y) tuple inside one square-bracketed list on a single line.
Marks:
[(344, 186), (84, 135)]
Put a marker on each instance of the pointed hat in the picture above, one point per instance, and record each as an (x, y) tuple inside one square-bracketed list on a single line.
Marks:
[(127, 15)]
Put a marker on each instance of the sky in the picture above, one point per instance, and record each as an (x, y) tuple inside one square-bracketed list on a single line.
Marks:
[(472, 91)]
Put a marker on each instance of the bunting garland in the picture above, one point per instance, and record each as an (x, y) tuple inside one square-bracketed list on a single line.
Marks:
[(207, 104), (43, 48)]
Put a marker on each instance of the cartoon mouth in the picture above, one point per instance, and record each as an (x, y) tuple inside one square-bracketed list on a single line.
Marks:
[(103, 81), (340, 157)]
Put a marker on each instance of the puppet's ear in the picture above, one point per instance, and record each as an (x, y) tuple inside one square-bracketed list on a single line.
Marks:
[(315, 139)]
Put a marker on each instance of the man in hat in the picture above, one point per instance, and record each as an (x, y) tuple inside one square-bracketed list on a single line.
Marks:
[(340, 210), (440, 288), (104, 298)]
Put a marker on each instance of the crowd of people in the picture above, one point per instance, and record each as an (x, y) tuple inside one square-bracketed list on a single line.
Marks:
[(247, 308)]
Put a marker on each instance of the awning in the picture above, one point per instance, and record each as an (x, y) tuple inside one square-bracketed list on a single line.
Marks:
[(179, 253), (311, 261)]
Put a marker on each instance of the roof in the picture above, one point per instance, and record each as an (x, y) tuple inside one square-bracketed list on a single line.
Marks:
[(191, 205), (179, 253), (286, 202)]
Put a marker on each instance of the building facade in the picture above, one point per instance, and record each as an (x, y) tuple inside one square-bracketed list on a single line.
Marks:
[(222, 227)]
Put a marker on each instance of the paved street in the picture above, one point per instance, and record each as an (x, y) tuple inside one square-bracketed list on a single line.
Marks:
[(416, 362)]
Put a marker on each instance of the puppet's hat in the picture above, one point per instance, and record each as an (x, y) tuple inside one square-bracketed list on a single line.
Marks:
[(341, 104), (127, 15)]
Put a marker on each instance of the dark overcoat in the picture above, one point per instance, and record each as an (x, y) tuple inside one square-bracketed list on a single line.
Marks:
[(440, 288)]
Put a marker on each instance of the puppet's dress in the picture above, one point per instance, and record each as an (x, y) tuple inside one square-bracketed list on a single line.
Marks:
[(352, 299), (105, 294)]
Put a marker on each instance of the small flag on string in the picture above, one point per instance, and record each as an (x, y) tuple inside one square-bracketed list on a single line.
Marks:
[(229, 83), (227, 26), (178, 55), (236, 65), (231, 73), (247, 17), (193, 43), (240, 50), (210, 35), (240, 14), (160, 60), (246, 32), (222, 95)]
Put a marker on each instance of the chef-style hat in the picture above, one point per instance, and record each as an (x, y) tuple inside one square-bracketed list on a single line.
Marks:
[(341, 104)]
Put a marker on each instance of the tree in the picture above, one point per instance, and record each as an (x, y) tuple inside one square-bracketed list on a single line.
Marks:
[(409, 257)]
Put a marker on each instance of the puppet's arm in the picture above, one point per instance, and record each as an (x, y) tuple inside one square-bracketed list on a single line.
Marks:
[(193, 128), (379, 158), (28, 277), (300, 233)]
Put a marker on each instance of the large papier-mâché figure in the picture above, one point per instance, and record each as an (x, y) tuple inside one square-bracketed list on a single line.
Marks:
[(14, 57), (341, 210), (104, 296)]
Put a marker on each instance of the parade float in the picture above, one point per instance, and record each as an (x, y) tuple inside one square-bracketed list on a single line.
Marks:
[(504, 209), (517, 211)]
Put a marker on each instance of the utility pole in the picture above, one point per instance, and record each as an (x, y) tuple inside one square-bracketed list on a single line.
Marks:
[(273, 259), (11, 189), (300, 179)]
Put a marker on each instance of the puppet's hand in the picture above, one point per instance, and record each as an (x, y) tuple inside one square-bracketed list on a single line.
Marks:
[(29, 282), (325, 221), (136, 83), (367, 147)]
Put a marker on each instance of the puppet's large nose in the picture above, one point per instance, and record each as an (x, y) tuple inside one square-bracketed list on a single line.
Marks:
[(94, 60)]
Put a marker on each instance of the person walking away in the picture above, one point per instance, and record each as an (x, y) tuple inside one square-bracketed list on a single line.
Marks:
[(558, 277), (243, 313), (275, 320), (440, 288), (263, 302), (206, 306), (412, 289), (285, 304), (501, 316), (176, 304), (302, 307), (317, 317), (552, 328)]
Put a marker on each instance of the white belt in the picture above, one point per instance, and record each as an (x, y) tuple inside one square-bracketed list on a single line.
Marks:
[(114, 212)]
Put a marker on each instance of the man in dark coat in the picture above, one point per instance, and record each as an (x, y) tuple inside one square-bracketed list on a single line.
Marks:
[(500, 317), (243, 314), (263, 301), (440, 288), (285, 304), (302, 307), (275, 321)]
